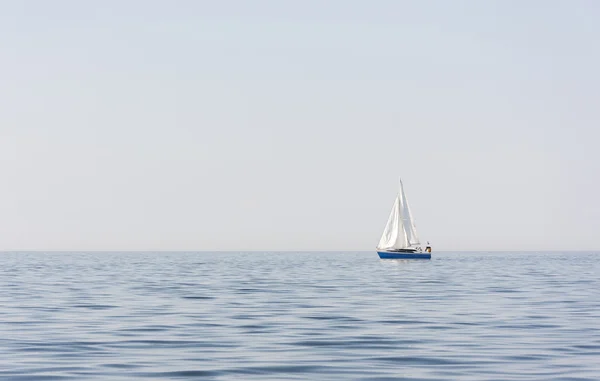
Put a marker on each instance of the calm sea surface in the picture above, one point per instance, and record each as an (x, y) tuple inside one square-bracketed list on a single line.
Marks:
[(299, 316)]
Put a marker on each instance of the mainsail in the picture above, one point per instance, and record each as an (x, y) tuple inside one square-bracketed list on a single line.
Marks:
[(400, 231)]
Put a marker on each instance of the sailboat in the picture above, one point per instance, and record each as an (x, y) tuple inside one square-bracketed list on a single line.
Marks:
[(399, 239)]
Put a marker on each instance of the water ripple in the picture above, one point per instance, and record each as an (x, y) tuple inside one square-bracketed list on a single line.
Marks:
[(297, 316)]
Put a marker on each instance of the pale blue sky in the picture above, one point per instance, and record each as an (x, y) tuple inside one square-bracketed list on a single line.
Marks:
[(285, 125)]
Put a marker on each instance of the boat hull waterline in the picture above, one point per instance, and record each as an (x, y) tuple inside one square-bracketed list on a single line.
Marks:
[(401, 255)]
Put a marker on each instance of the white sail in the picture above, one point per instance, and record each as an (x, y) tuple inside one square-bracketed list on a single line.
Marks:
[(393, 236), (400, 231), (407, 220)]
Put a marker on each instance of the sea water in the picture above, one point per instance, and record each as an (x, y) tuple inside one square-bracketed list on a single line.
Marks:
[(299, 316)]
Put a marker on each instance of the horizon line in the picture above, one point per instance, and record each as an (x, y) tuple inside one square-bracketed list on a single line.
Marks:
[(279, 251)]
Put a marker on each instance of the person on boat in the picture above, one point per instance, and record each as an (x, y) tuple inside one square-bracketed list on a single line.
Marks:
[(428, 248)]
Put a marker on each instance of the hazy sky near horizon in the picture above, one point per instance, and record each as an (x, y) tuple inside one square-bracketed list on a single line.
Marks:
[(280, 125)]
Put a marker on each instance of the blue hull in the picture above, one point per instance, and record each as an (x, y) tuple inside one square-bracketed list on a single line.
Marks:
[(397, 255)]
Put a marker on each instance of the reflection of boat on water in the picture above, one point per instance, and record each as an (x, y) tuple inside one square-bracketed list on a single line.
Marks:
[(399, 239)]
